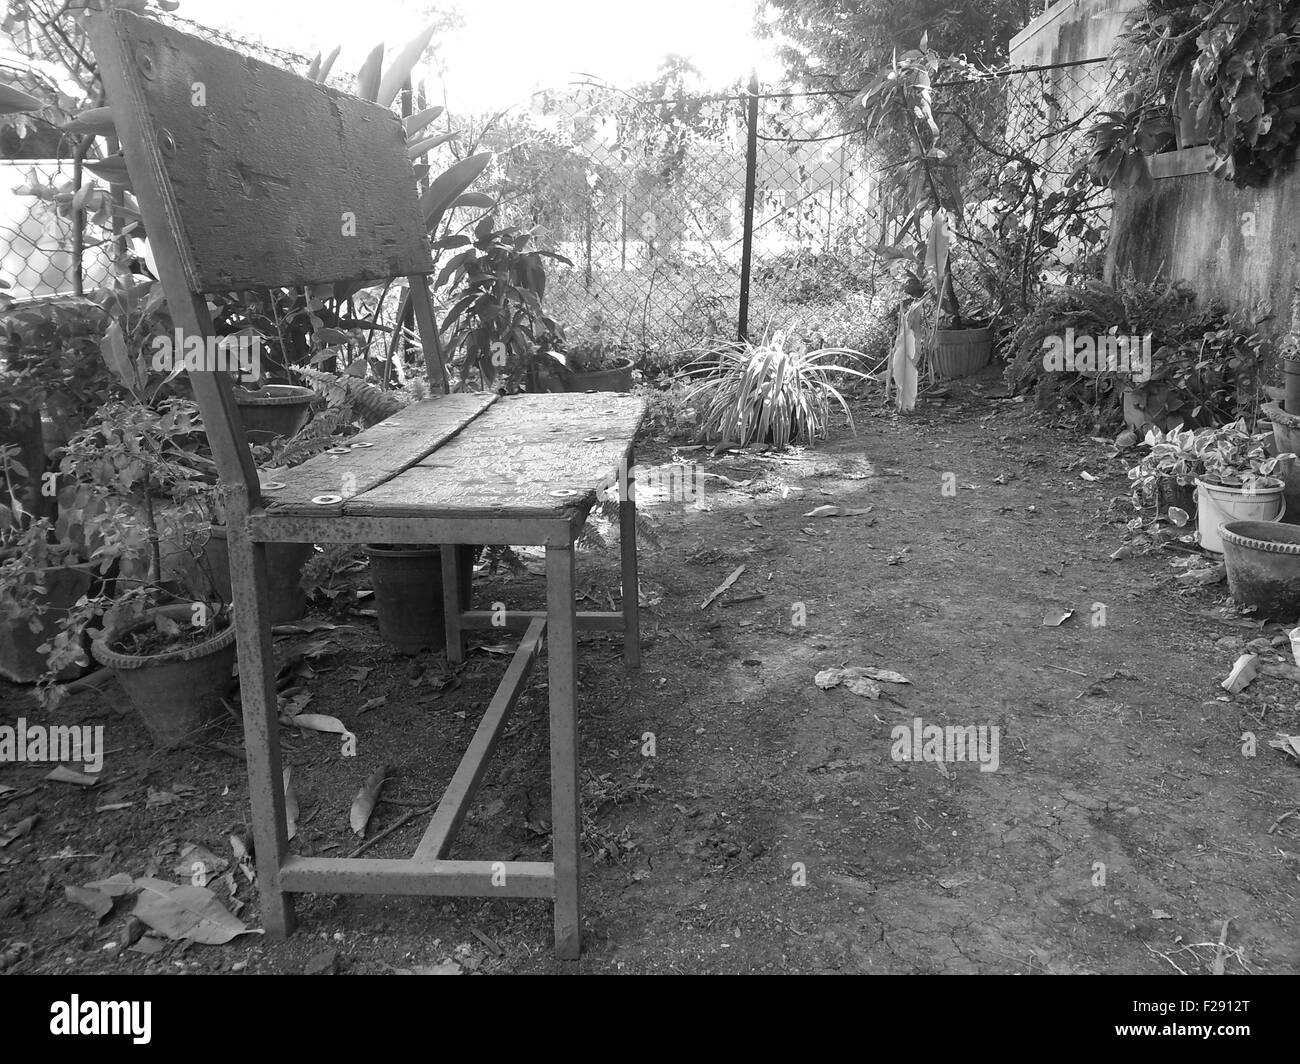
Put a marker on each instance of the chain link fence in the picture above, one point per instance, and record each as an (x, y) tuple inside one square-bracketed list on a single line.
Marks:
[(41, 251), (647, 199)]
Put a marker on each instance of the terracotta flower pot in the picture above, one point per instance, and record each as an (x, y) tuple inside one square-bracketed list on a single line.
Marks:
[(284, 562), (274, 410), (961, 352), (408, 594), (177, 692), (616, 378)]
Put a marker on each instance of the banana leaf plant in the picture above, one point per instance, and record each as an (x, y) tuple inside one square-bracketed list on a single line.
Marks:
[(898, 104)]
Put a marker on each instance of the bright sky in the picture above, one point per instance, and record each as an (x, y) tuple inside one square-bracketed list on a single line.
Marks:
[(507, 48)]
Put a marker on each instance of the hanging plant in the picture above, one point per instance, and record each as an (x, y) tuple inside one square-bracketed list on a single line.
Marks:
[(1222, 72)]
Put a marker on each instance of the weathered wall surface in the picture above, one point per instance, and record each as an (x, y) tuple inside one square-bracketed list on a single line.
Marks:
[(1236, 245), (1069, 31)]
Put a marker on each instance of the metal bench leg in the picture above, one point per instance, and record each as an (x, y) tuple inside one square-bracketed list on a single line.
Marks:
[(566, 826), (627, 548), (261, 725), (452, 604)]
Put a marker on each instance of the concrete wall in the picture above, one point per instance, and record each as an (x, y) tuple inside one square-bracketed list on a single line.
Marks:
[(1240, 246), (1237, 246), (1070, 30)]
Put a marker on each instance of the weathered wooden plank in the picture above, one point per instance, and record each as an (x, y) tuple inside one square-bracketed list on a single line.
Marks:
[(541, 455), (189, 312), (273, 179), (375, 875), (451, 810), (311, 528), (376, 455)]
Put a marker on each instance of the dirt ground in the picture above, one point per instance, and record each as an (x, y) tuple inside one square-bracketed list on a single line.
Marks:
[(771, 830)]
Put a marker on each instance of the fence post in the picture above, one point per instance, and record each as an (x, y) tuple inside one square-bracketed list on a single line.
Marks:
[(751, 177)]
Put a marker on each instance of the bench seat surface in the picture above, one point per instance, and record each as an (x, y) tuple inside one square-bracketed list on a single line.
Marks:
[(472, 455)]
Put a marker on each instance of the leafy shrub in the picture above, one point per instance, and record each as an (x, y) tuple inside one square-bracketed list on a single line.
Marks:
[(1205, 361), (767, 393)]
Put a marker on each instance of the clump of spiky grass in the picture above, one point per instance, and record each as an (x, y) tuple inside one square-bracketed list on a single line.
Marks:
[(770, 393)]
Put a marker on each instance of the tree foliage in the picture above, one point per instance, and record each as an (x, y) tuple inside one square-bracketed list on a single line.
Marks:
[(844, 42)]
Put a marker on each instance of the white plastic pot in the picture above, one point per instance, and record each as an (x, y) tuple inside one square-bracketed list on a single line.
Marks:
[(1217, 504)]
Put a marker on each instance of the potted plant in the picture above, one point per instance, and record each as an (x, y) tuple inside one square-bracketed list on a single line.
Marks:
[(593, 367), (41, 578), (928, 196), (407, 578), (273, 410), (1230, 467), (496, 326), (140, 488)]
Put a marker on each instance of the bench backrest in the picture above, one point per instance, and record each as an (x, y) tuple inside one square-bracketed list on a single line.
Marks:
[(249, 176)]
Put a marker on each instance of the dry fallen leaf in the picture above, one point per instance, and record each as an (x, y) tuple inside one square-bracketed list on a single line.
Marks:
[(290, 805), (838, 511), (1056, 618), (363, 805), (860, 679), (99, 904), (199, 865), (861, 685), (727, 583), (186, 912), (20, 829), (884, 675), (114, 886), (828, 678), (1288, 744), (63, 774)]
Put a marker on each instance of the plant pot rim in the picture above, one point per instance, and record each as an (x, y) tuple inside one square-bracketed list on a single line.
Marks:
[(621, 365), (372, 549), (1262, 484), (1278, 416), (275, 395), (102, 650), (1238, 534), (966, 329)]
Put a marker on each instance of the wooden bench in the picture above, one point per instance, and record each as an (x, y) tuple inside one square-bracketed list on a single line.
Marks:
[(248, 176)]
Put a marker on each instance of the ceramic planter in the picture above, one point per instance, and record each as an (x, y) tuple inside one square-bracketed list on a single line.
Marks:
[(1286, 439), (284, 562), (178, 692), (961, 352), (616, 378), (274, 410), (408, 594), (1217, 504), (1263, 563)]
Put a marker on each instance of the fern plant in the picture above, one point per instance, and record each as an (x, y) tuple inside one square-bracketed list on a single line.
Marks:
[(770, 393)]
